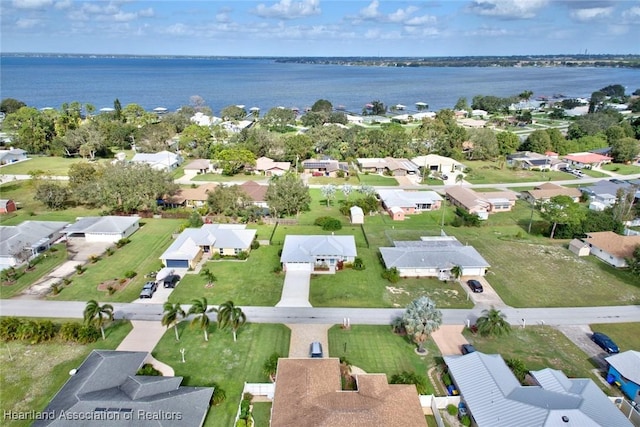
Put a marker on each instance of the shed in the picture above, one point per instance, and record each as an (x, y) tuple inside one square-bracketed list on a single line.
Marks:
[(357, 215), (7, 206), (396, 213), (579, 247)]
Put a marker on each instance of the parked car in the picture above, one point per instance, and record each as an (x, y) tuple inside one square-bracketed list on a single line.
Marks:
[(605, 342), (148, 289), (467, 348), (152, 284), (475, 285), (171, 281), (315, 350)]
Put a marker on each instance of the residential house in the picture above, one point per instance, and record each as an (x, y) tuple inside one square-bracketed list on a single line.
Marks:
[(495, 398), (325, 167), (190, 197), (624, 371), (308, 253), (435, 164), (433, 256), (535, 161), (256, 192), (106, 390), (410, 202), (237, 127), (26, 240), (202, 119), (579, 247), (164, 160), (198, 166), (308, 392), (603, 193), (388, 165), (12, 155), (356, 215), (612, 248), (269, 167), (7, 206), (102, 228), (481, 204), (193, 243), (587, 160), (543, 193)]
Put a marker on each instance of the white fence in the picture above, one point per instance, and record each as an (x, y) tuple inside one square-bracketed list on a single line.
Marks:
[(436, 403), (631, 412), (260, 389)]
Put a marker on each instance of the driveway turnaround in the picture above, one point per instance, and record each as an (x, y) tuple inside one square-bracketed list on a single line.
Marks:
[(295, 292), (144, 337)]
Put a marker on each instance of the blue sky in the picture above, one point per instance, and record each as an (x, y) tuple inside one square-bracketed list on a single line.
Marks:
[(322, 27)]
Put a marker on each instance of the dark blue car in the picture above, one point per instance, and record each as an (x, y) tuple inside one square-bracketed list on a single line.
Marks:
[(605, 342)]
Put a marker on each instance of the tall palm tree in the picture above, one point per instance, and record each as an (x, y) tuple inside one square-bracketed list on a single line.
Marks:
[(208, 276), (99, 314), (172, 315), (493, 322), (200, 308), (456, 271), (231, 315), (459, 178)]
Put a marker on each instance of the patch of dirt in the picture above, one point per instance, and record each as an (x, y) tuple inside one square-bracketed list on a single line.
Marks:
[(115, 283), (396, 291)]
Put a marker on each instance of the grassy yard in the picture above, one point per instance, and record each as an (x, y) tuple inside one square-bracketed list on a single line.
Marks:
[(22, 192), (391, 354), (141, 256), (223, 361), (622, 169), (626, 335), (53, 166), (377, 180), (30, 375), (326, 180), (216, 177), (250, 282), (486, 172), (538, 347), (594, 174), (47, 262), (261, 414)]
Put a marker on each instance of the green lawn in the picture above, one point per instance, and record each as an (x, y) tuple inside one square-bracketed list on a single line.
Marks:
[(594, 174), (377, 350), (487, 172), (53, 166), (626, 335), (22, 192), (622, 169), (45, 264), (141, 256), (326, 180), (30, 375), (250, 282), (216, 177), (223, 361), (261, 414), (538, 347), (377, 180)]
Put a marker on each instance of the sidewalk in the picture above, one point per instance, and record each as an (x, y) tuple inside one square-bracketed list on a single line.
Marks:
[(144, 337)]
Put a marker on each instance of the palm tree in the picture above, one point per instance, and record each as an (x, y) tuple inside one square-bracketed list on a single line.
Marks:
[(172, 315), (421, 318), (230, 315), (456, 271), (493, 322), (94, 312), (209, 276), (459, 179), (200, 308)]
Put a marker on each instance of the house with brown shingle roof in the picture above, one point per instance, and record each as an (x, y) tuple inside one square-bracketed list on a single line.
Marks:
[(612, 248), (309, 393), (543, 193), (256, 192), (481, 204), (269, 167), (191, 197)]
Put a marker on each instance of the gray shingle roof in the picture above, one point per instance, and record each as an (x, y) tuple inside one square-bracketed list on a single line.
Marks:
[(26, 234), (495, 398), (432, 252), (307, 248), (106, 384), (227, 236), (102, 224)]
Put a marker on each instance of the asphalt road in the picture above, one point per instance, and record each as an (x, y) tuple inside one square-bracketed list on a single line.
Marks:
[(362, 316)]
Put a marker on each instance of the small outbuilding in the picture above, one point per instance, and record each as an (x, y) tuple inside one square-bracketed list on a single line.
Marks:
[(396, 213), (7, 206), (579, 247), (624, 371), (357, 215)]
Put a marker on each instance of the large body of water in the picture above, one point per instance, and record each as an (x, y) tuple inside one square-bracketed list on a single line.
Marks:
[(170, 82)]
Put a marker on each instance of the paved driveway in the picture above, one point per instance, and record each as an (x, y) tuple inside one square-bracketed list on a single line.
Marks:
[(303, 335), (449, 338), (580, 335), (295, 292), (485, 299)]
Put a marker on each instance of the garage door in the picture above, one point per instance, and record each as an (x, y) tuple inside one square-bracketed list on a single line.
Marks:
[(298, 266), (178, 263)]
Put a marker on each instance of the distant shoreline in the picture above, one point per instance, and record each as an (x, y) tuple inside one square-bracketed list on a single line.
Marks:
[(586, 60)]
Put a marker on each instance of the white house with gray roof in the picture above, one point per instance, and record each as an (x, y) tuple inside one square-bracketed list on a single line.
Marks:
[(495, 398), (105, 390), (306, 253), (103, 228), (192, 243), (433, 256), (27, 240), (411, 202), (163, 160)]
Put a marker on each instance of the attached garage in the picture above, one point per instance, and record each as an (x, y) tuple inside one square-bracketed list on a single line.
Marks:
[(177, 263), (298, 266), (103, 229)]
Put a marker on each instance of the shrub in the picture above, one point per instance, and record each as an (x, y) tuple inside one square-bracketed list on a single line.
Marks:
[(94, 258), (56, 287), (255, 244), (70, 331), (242, 255), (120, 243), (88, 334), (466, 421), (66, 281), (219, 395), (391, 274), (9, 328), (406, 377), (446, 379), (358, 264), (277, 269), (148, 370), (452, 409), (80, 269), (111, 290), (518, 368), (109, 251), (130, 274), (271, 365), (216, 256)]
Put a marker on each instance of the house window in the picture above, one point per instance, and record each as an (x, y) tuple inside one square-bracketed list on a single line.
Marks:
[(221, 251), (237, 251)]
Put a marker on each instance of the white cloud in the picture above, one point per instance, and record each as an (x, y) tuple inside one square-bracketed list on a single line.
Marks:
[(146, 13), (488, 32), (632, 14), (421, 20), (223, 17), (63, 4), (592, 13), (32, 4), (512, 9), (178, 29), (26, 23), (287, 9), (402, 15), (371, 11)]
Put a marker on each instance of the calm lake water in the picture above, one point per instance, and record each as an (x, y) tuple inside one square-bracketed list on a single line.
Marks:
[(169, 82)]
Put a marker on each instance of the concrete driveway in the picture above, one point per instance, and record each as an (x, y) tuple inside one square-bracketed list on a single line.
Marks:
[(303, 335), (485, 299), (580, 335), (295, 292), (144, 337), (449, 338)]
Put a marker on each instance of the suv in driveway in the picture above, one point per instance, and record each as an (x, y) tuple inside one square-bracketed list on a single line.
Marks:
[(605, 342), (148, 289), (467, 348), (171, 281), (475, 286)]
